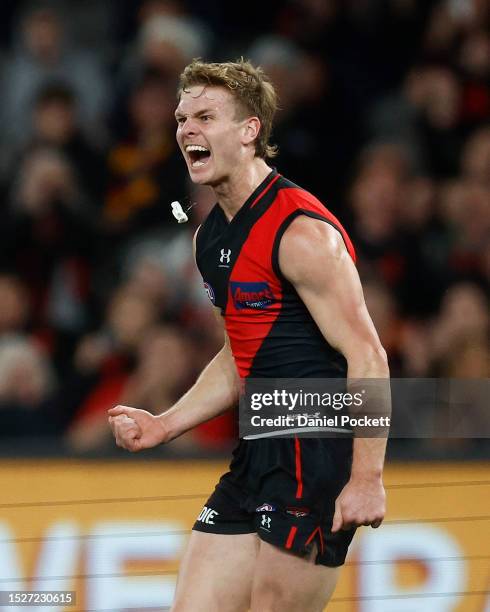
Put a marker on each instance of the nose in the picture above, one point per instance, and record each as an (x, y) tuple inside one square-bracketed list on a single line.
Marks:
[(189, 127)]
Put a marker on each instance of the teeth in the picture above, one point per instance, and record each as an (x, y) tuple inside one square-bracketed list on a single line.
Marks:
[(195, 148), (198, 163)]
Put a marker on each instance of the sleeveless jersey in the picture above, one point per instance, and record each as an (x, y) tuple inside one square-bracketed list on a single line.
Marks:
[(271, 332)]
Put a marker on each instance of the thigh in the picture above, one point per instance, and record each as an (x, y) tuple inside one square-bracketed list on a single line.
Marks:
[(216, 573), (286, 582)]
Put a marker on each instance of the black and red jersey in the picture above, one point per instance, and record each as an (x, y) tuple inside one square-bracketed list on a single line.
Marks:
[(271, 332)]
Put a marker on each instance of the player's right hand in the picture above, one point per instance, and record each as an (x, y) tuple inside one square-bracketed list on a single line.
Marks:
[(136, 429)]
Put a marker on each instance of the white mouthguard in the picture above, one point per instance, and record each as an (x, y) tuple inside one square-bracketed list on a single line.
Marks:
[(178, 212)]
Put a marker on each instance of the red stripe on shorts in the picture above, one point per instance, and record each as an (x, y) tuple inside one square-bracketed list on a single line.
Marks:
[(291, 536), (320, 534), (299, 478)]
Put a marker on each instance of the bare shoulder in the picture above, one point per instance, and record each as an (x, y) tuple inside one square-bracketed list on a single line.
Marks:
[(311, 246)]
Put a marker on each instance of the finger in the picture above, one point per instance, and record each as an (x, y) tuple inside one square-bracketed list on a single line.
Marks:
[(118, 410), (337, 518), (125, 430), (349, 521), (129, 433), (110, 420), (124, 419), (134, 445), (376, 524), (355, 522), (115, 429), (115, 421), (118, 440), (131, 443)]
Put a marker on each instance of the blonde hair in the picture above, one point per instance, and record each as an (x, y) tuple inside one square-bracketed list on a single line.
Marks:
[(250, 87)]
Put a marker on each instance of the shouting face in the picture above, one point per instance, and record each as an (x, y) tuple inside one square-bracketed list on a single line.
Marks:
[(212, 136)]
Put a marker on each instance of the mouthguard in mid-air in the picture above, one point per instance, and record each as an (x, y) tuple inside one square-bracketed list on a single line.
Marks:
[(179, 213)]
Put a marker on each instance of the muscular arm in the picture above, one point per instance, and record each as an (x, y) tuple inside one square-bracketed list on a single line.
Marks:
[(313, 257)]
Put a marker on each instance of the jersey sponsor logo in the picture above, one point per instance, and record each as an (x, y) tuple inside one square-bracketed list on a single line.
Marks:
[(207, 515), (298, 512), (266, 508), (210, 292), (252, 295)]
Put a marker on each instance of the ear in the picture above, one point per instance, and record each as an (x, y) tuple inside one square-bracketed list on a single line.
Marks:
[(251, 130)]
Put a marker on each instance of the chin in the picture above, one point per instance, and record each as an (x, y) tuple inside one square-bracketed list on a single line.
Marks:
[(202, 177)]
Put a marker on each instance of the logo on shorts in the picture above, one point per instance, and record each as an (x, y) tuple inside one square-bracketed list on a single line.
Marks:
[(298, 512), (266, 508), (252, 295), (207, 515), (266, 522)]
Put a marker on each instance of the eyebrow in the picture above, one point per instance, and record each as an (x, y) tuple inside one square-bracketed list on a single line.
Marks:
[(205, 111)]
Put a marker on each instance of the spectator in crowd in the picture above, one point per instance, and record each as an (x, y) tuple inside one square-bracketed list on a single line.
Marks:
[(14, 305), (56, 125), (43, 54), (463, 318), (27, 381), (475, 160), (166, 40), (145, 169), (102, 360), (47, 233), (161, 372), (375, 201)]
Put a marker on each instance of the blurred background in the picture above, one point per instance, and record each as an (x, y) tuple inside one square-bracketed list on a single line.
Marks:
[(385, 116)]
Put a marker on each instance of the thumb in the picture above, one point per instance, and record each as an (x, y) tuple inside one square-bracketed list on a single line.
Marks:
[(117, 410), (337, 518)]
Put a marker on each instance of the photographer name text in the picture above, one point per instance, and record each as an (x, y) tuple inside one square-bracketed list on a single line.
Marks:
[(306, 420)]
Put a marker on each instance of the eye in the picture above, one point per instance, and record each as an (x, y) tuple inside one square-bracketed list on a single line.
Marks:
[(180, 120), (205, 118)]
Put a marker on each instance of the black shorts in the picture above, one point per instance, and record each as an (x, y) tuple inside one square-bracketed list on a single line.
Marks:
[(284, 490)]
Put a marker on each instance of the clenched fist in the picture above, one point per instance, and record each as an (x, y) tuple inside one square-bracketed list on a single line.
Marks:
[(361, 502), (136, 429)]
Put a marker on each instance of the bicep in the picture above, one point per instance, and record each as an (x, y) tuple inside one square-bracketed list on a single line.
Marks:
[(313, 257)]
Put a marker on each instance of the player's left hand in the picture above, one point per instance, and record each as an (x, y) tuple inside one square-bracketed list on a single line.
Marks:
[(361, 502)]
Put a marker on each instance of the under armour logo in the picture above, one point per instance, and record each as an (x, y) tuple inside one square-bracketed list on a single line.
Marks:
[(225, 256), (266, 521)]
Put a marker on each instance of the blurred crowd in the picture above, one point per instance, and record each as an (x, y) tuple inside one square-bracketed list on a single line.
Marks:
[(384, 115)]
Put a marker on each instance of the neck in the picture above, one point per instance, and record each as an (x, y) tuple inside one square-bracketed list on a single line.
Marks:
[(233, 193)]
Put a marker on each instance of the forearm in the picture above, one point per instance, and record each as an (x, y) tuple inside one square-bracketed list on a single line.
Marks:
[(215, 391), (371, 374)]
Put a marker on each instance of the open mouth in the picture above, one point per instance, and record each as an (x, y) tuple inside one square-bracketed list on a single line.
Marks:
[(198, 155)]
